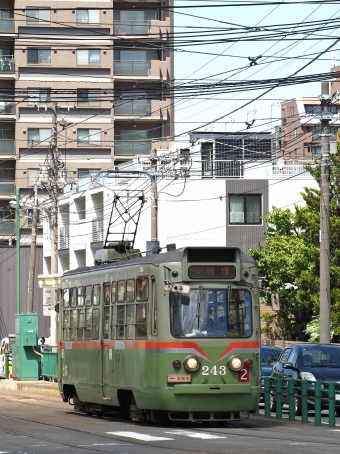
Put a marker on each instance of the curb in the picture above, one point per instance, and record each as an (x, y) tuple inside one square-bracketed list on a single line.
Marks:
[(30, 387)]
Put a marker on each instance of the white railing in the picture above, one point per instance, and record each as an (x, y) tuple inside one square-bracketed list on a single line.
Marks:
[(64, 237), (97, 230)]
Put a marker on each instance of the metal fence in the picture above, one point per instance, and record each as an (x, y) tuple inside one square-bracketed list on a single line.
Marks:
[(304, 393)]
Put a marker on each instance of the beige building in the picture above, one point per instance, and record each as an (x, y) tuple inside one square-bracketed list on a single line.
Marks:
[(107, 67), (300, 128)]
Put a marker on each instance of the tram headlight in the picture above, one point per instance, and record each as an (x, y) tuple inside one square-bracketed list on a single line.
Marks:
[(191, 363), (235, 363)]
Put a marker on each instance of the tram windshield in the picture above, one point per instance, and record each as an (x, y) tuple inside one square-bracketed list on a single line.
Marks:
[(211, 313)]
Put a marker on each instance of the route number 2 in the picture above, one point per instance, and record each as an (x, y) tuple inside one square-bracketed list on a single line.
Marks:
[(243, 375)]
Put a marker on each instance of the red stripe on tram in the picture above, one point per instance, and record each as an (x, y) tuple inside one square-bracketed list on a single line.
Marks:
[(138, 345), (239, 345)]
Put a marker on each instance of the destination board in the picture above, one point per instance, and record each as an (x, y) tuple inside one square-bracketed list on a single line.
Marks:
[(212, 272)]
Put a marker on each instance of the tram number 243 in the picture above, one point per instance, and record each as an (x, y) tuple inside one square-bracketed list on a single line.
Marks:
[(243, 374)]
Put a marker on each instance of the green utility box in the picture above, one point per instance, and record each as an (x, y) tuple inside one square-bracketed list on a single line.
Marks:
[(25, 359)]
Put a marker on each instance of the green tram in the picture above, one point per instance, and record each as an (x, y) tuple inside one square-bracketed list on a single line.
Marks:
[(174, 335)]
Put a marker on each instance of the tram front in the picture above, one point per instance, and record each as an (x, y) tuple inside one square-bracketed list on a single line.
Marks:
[(214, 315)]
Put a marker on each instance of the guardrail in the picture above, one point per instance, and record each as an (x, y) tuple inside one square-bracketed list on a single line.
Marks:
[(316, 391)]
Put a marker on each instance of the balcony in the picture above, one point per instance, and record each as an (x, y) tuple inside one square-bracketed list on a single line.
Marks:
[(133, 108), (7, 228), (7, 147), (131, 28), (7, 188), (132, 68), (6, 108), (6, 66), (131, 148), (6, 26)]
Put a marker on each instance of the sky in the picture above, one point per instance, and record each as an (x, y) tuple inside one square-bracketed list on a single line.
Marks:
[(231, 63)]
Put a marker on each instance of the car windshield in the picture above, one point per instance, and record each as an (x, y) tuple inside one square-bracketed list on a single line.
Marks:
[(211, 313), (321, 356)]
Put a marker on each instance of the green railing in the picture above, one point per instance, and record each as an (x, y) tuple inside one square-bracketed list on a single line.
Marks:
[(49, 362), (301, 393)]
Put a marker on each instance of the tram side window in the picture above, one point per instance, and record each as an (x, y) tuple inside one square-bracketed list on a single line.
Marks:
[(113, 292), (81, 324), (73, 297), (120, 322), (88, 295), (66, 297), (142, 321), (121, 292), (66, 325), (142, 287), (130, 290), (107, 291), (113, 321), (96, 295), (88, 324), (95, 323), (106, 333), (130, 321), (73, 324), (80, 297)]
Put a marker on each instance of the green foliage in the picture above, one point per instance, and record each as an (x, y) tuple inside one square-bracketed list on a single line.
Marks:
[(289, 260)]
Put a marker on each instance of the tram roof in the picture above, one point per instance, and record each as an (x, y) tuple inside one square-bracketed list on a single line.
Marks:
[(153, 259)]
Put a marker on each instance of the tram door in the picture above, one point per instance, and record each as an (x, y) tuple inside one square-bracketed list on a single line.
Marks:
[(107, 346)]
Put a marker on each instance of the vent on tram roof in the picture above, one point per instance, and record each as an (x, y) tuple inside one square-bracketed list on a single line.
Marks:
[(211, 255)]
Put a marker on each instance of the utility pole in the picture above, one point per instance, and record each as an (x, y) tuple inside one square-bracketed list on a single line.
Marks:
[(53, 189), (31, 274), (324, 217), (17, 246), (154, 198)]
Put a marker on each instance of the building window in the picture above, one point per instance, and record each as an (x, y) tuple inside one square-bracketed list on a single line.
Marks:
[(6, 134), (39, 56), (32, 176), (207, 159), (82, 173), (245, 209), (316, 151), (37, 136), (88, 16), (87, 97), (38, 96), (88, 136), (40, 15), (88, 57)]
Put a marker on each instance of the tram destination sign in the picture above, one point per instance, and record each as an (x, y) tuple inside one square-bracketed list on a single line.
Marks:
[(212, 272)]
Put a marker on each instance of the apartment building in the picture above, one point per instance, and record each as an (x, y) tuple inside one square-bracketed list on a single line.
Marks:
[(300, 128), (107, 66)]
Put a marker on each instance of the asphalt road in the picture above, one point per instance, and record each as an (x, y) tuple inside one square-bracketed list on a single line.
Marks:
[(42, 424)]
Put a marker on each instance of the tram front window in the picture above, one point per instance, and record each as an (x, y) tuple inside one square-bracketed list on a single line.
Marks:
[(211, 313)]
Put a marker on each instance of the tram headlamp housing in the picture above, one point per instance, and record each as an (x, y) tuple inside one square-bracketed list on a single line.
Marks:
[(191, 363), (235, 363)]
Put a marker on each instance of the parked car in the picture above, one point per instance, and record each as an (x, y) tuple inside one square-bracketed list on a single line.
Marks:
[(310, 362), (269, 356)]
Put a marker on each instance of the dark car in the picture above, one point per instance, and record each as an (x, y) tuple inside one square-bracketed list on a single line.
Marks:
[(269, 356), (310, 362)]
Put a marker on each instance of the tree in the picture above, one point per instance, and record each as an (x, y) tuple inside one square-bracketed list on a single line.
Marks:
[(289, 259)]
